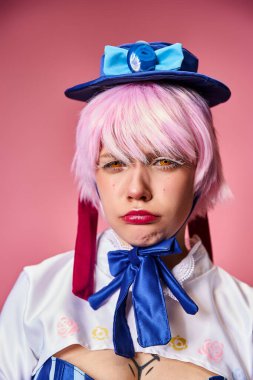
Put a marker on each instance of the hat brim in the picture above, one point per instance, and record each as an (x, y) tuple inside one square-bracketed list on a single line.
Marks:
[(214, 91)]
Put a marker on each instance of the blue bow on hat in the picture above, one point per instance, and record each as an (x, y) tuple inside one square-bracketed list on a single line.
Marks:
[(141, 57)]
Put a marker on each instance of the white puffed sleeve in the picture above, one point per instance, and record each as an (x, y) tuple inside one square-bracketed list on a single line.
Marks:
[(17, 359)]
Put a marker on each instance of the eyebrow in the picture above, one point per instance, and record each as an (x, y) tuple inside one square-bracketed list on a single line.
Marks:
[(106, 155), (150, 156)]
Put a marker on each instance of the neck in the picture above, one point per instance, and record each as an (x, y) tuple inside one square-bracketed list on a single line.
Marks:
[(172, 260)]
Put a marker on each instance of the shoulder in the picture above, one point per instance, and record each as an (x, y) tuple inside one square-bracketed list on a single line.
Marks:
[(45, 286), (235, 287), (223, 285), (51, 266), (40, 275), (235, 299), (49, 276)]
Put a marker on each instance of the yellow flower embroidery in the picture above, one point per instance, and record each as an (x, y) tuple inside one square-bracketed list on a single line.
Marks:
[(100, 333), (178, 343)]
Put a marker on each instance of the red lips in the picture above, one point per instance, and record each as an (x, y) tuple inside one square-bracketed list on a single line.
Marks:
[(139, 217)]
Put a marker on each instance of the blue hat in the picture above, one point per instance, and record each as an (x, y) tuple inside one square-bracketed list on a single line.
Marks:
[(156, 62)]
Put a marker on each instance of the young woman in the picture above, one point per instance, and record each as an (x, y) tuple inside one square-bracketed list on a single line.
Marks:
[(146, 301)]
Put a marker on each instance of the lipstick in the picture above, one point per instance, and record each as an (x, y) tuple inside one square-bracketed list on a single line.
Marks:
[(139, 217)]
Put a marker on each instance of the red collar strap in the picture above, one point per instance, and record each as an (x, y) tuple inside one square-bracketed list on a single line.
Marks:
[(85, 250)]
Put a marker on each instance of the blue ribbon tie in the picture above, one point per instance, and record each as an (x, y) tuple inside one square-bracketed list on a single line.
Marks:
[(143, 268)]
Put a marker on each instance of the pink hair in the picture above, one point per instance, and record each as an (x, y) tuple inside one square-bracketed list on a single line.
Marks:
[(169, 119)]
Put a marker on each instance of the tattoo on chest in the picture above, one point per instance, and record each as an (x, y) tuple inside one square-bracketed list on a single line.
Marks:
[(140, 368)]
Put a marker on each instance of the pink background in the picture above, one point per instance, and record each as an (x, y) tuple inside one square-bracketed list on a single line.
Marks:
[(48, 46)]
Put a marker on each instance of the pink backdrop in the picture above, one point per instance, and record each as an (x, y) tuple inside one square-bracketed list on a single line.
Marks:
[(48, 46)]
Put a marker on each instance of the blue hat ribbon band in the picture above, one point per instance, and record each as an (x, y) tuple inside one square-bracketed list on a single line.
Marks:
[(116, 59), (142, 267)]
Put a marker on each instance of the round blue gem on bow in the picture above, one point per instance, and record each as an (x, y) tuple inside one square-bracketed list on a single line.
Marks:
[(141, 57)]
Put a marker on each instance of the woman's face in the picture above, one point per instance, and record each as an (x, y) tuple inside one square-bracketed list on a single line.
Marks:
[(144, 203)]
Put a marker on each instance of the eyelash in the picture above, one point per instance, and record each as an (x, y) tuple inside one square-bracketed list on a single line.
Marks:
[(174, 164)]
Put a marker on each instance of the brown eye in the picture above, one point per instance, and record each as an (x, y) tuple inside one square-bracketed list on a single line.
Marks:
[(166, 163), (114, 165)]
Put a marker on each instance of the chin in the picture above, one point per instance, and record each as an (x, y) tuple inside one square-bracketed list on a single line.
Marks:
[(145, 239)]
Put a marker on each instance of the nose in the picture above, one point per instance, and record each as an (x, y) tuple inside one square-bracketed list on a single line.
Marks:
[(139, 184)]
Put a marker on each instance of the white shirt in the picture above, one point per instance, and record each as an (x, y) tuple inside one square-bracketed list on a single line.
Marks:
[(41, 316)]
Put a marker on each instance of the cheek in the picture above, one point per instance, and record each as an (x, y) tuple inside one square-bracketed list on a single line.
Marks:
[(105, 184), (169, 186), (178, 188), (107, 191), (110, 188)]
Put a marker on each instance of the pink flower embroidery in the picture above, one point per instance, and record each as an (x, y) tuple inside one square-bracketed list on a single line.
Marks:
[(66, 326), (213, 350)]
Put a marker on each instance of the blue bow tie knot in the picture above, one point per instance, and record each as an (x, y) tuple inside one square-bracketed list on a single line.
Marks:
[(134, 257), (143, 268), (120, 259)]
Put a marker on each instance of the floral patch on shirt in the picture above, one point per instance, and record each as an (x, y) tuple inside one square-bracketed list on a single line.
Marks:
[(66, 326), (212, 349), (100, 333), (178, 343)]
